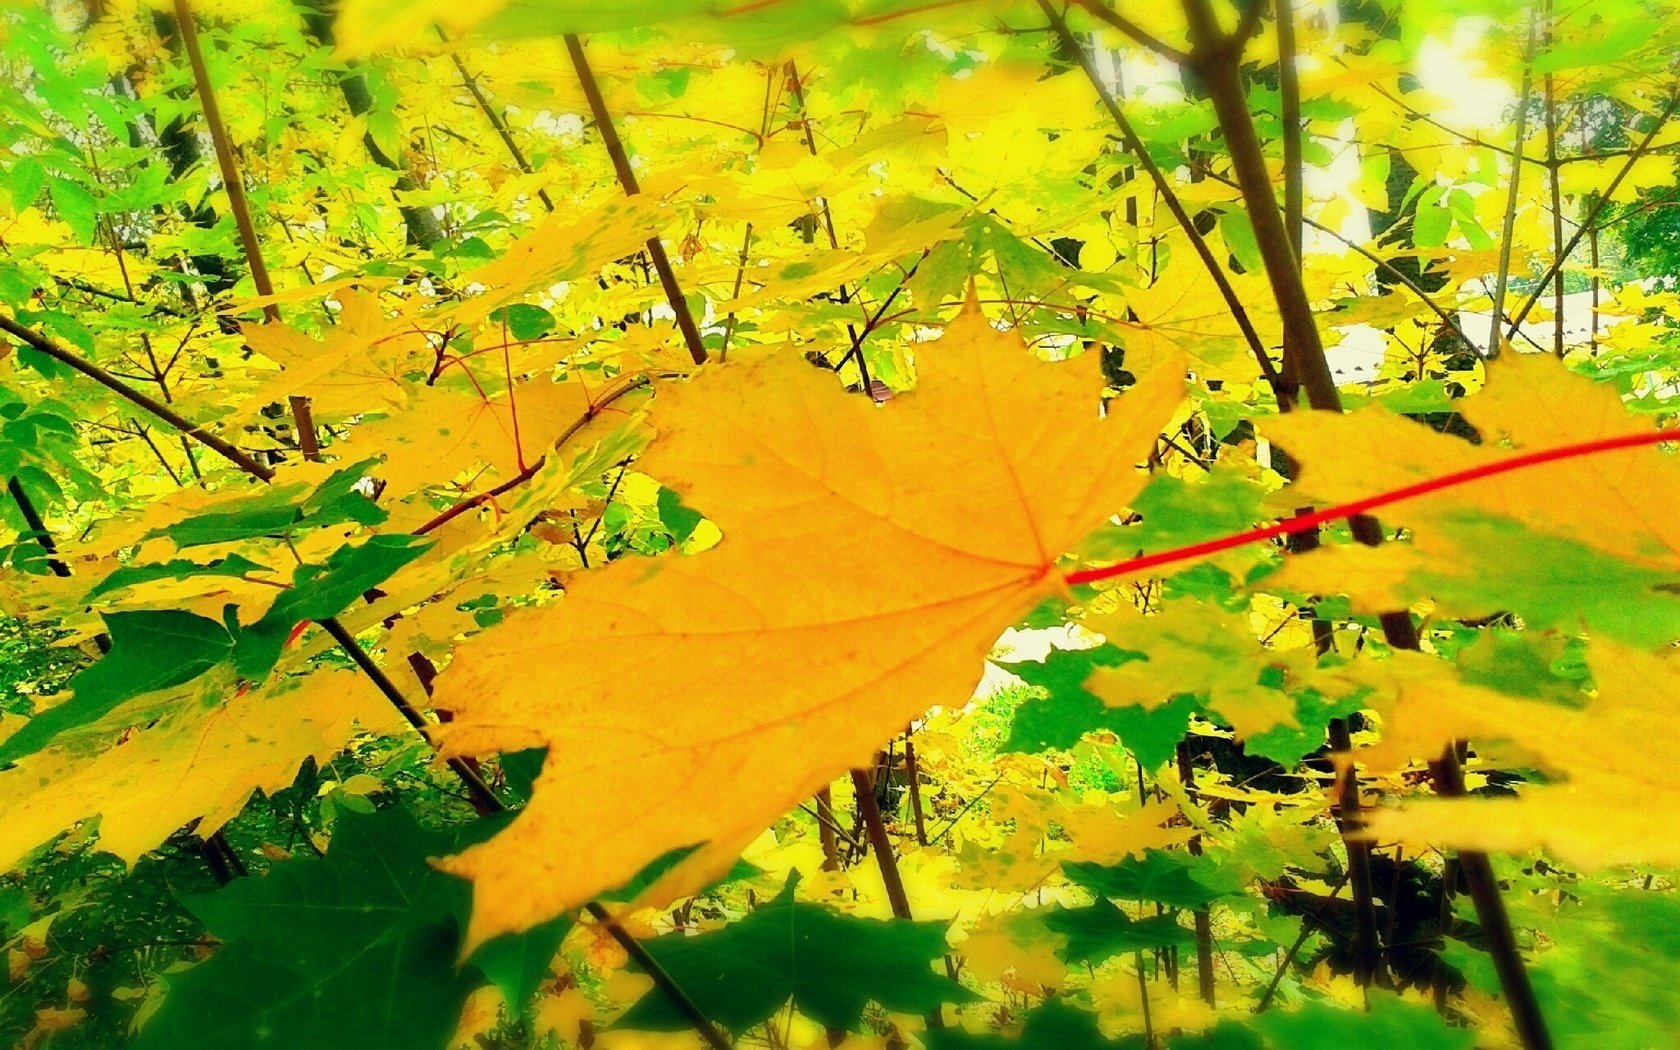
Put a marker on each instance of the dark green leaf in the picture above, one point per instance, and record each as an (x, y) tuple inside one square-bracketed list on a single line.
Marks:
[(179, 569), (1390, 1022), (1103, 931), (1052, 1026), (1068, 712), (831, 965), (356, 950), (320, 591), (149, 651), (1170, 878), (76, 207)]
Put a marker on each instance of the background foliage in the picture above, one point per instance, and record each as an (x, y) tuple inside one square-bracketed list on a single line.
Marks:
[(653, 419)]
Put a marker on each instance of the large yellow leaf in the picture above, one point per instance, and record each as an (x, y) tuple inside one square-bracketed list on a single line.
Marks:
[(1600, 803), (1625, 502), (357, 365), (197, 763), (508, 430), (871, 554)]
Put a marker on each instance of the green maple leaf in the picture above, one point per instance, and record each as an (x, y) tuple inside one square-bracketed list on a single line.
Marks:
[(1175, 879), (178, 569), (320, 591), (1067, 712), (1390, 1022), (153, 650), (356, 950), (830, 965), (1103, 931), (150, 650), (281, 510)]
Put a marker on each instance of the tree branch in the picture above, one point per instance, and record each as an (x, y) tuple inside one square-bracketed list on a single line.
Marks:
[(1169, 198), (627, 182), (65, 356), (1598, 207), (1136, 32)]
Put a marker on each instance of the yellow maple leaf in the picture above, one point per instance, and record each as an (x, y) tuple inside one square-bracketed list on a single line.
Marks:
[(197, 763), (357, 366), (1196, 647), (1596, 808), (1182, 311), (508, 431), (1624, 502), (870, 557)]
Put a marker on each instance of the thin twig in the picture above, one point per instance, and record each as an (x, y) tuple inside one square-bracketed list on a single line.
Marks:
[(1599, 205), (1512, 197), (104, 378), (1168, 197), (231, 181), (1495, 922), (1132, 30), (1307, 924), (627, 182)]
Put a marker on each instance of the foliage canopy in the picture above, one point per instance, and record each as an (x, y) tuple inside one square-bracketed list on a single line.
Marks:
[(853, 522)]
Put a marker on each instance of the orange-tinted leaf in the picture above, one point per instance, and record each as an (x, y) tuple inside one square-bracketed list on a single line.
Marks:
[(870, 556)]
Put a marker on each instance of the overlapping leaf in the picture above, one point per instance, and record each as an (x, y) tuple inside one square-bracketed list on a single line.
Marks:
[(850, 590)]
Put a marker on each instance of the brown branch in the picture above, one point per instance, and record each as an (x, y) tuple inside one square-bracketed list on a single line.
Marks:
[(913, 773), (866, 384), (470, 81), (238, 204), (746, 237), (1289, 90), (1203, 918), (1599, 205), (304, 420), (1170, 199), (1556, 182), (1368, 954), (1494, 920), (870, 810), (225, 160), (1136, 32), (1307, 924), (1512, 198), (1304, 349), (157, 408), (627, 182), (881, 842), (1304, 363)]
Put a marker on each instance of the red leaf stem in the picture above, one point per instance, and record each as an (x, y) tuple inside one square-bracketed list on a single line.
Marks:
[(1361, 506)]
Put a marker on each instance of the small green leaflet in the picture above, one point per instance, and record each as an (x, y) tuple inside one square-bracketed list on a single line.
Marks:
[(149, 651), (1102, 931), (1170, 878), (1177, 512), (179, 569), (831, 965), (76, 206), (356, 950), (679, 519), (320, 591), (278, 511), (1068, 712)]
